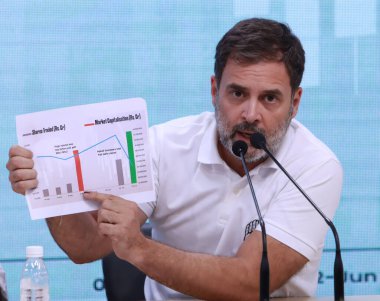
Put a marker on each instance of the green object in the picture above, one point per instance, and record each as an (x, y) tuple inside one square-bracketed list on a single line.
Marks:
[(131, 155)]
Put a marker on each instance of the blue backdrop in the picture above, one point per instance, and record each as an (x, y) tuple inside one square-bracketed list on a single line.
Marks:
[(63, 53)]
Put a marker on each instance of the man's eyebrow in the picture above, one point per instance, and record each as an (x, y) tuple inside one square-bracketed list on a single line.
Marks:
[(276, 92), (234, 86)]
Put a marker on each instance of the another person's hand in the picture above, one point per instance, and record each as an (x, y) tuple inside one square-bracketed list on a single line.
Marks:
[(21, 173), (120, 220)]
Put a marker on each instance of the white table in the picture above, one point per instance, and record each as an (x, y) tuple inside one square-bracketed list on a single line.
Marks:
[(346, 298)]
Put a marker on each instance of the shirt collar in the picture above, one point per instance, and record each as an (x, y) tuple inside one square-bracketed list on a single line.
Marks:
[(208, 149)]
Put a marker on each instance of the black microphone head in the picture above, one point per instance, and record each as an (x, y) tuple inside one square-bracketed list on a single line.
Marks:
[(239, 147), (258, 141)]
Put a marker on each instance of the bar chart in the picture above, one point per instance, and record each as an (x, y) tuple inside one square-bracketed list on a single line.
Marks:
[(97, 150), (121, 161)]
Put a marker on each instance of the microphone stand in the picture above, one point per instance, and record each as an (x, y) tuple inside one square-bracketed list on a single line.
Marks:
[(240, 150), (258, 141)]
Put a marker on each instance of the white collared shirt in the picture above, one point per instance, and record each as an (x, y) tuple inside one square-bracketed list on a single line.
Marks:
[(204, 206)]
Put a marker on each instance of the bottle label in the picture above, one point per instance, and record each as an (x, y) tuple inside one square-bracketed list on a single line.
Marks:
[(41, 294), (26, 294), (37, 294)]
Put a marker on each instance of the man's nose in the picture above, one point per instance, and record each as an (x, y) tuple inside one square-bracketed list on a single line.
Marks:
[(252, 111)]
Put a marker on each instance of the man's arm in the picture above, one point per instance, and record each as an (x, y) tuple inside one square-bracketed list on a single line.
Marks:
[(199, 275), (76, 234), (218, 278)]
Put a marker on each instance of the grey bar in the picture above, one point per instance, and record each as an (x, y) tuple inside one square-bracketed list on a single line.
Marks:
[(119, 170), (45, 192), (58, 190), (69, 188)]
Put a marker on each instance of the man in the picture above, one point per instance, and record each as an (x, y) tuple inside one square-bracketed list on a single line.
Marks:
[(205, 241)]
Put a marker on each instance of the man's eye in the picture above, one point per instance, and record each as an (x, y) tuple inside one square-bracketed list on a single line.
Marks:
[(237, 94), (270, 98)]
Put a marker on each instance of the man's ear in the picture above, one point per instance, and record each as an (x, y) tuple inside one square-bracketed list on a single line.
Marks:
[(214, 90), (296, 101)]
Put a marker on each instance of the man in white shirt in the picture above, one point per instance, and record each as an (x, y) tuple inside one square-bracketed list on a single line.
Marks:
[(191, 179), (205, 241)]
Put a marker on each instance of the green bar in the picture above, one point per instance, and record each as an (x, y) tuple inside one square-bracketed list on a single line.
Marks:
[(131, 155)]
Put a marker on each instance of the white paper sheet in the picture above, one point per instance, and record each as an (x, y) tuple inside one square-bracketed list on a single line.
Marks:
[(97, 147)]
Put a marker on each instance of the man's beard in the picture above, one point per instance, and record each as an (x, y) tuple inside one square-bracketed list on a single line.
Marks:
[(273, 138)]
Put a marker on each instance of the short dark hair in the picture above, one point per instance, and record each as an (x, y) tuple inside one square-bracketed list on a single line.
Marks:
[(255, 40)]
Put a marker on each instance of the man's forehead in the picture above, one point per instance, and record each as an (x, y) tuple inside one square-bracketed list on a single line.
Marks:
[(273, 74)]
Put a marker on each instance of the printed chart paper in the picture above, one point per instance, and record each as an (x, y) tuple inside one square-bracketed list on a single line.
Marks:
[(99, 147)]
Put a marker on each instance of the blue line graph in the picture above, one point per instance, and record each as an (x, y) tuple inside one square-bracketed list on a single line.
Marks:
[(88, 148)]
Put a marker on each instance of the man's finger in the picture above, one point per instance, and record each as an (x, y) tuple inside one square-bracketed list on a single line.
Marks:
[(107, 216), (19, 162), (108, 229), (22, 186), (17, 150), (22, 175), (96, 196)]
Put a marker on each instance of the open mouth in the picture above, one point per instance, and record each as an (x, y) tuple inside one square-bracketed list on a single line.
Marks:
[(246, 135)]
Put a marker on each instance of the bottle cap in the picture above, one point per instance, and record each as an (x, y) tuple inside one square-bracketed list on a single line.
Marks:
[(34, 251)]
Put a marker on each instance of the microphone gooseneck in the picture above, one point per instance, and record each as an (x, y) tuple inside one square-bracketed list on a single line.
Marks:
[(258, 141), (239, 148)]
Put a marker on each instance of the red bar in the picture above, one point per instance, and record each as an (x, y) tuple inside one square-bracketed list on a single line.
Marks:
[(89, 124), (79, 170)]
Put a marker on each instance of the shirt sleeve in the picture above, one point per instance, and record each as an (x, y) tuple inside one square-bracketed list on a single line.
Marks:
[(292, 220)]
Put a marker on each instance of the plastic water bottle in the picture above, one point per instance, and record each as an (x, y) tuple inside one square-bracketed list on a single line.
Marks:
[(34, 283)]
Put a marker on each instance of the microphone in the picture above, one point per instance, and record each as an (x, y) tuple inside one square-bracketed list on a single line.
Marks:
[(258, 141), (239, 148)]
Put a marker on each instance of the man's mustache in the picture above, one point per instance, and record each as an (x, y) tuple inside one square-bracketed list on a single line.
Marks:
[(245, 126)]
